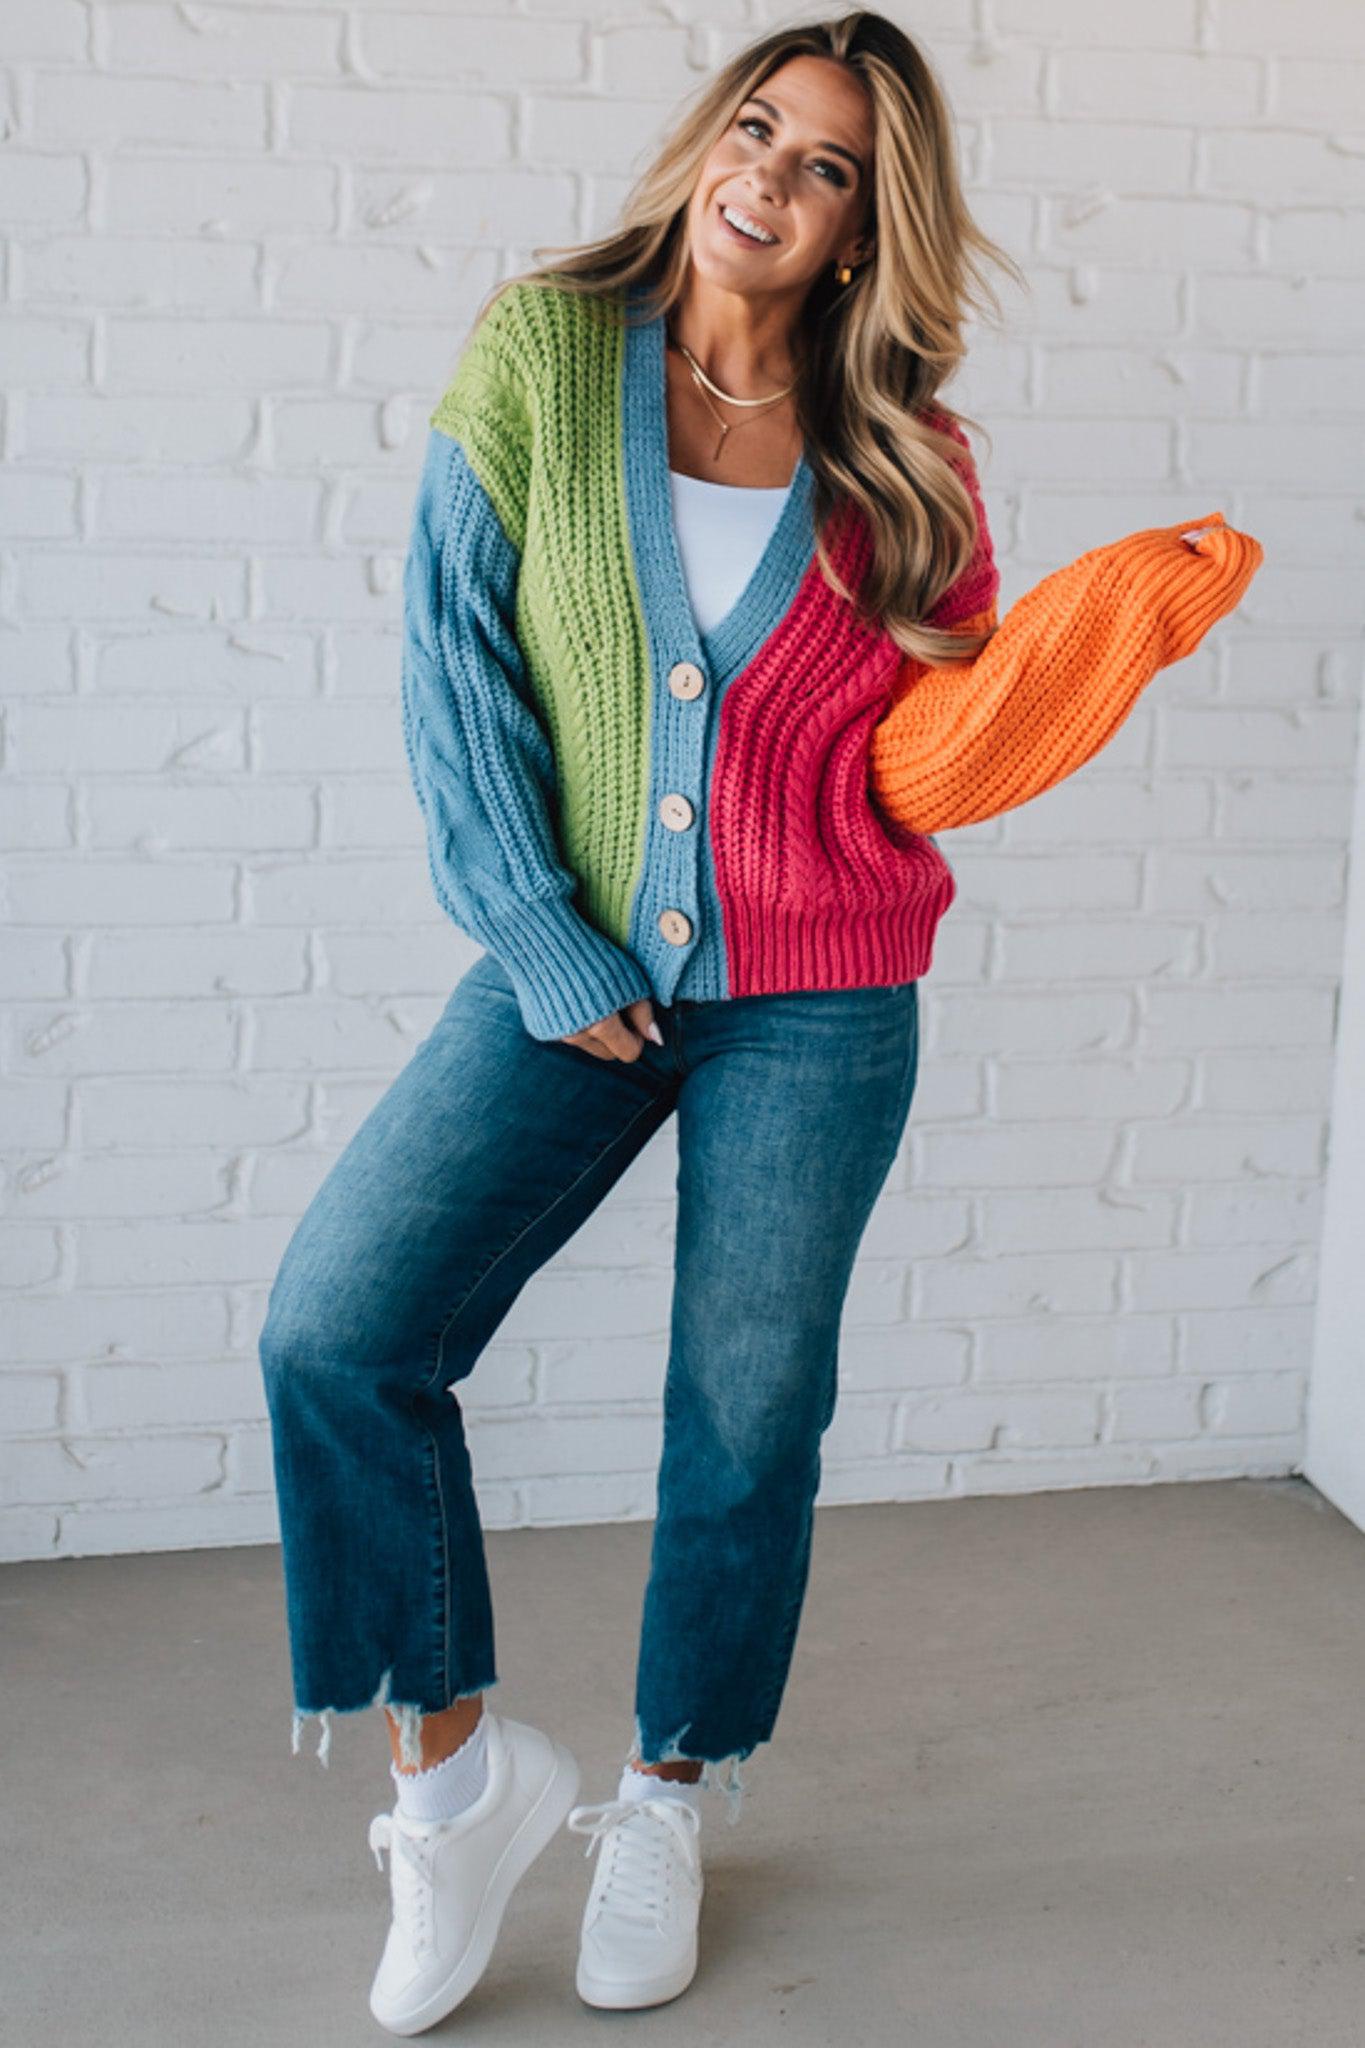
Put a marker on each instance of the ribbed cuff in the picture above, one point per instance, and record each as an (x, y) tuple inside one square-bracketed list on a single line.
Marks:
[(566, 973), (1188, 587)]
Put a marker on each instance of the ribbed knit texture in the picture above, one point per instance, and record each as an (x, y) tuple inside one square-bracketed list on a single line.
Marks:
[(547, 716), (1057, 678)]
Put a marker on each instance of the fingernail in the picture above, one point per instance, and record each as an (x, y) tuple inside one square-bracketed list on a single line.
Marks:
[(655, 1032)]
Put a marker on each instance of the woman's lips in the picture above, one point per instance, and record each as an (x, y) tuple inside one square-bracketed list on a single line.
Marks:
[(738, 234)]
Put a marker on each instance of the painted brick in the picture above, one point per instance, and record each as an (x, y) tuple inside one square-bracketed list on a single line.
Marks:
[(243, 255)]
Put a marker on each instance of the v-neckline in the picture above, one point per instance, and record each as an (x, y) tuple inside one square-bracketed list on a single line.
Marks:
[(772, 586)]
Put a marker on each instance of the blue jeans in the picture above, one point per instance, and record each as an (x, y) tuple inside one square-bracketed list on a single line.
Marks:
[(482, 1159)]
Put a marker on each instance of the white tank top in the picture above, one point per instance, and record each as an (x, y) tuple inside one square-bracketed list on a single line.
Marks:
[(722, 532)]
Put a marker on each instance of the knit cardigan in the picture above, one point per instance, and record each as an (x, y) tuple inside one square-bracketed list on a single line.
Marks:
[(618, 806)]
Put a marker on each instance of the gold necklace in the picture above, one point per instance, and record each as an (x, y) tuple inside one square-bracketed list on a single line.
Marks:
[(705, 384)]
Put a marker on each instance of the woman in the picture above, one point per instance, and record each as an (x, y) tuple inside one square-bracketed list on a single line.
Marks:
[(701, 647)]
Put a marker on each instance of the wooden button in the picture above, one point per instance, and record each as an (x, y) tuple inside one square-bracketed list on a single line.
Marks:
[(676, 811), (676, 928), (685, 679)]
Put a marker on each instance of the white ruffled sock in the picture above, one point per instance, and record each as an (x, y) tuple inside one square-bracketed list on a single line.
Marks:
[(447, 1788), (648, 1785)]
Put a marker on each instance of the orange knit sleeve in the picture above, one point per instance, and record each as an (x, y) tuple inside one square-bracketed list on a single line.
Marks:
[(1057, 678)]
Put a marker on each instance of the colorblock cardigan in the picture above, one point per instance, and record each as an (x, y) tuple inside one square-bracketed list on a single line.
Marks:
[(618, 806)]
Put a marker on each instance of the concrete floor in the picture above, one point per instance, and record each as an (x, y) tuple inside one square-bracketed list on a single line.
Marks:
[(1072, 1770)]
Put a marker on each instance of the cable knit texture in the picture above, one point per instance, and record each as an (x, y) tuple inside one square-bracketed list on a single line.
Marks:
[(619, 806)]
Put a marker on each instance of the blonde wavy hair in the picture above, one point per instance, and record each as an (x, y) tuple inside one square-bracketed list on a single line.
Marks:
[(875, 351)]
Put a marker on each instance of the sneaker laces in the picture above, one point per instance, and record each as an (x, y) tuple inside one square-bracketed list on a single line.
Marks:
[(643, 1841), (411, 1880)]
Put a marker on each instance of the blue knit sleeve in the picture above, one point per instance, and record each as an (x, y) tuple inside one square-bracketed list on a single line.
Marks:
[(482, 764)]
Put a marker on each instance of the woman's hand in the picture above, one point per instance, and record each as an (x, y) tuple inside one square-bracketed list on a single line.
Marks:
[(612, 1039)]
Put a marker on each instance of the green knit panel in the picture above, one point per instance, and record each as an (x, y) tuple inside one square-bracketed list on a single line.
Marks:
[(485, 408), (536, 404)]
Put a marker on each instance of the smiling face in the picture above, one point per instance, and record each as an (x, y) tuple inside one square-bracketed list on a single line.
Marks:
[(795, 163)]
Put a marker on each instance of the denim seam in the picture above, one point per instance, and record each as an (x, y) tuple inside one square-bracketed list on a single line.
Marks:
[(434, 1452), (780, 1664), (908, 1079), (787, 1631), (540, 1216)]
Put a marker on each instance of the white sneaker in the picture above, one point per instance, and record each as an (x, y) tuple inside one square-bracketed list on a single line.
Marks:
[(638, 1941), (451, 1879)]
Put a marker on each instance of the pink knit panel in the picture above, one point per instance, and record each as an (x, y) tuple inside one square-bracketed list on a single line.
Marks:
[(817, 889)]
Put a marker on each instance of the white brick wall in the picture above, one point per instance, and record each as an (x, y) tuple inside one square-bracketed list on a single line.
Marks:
[(243, 243)]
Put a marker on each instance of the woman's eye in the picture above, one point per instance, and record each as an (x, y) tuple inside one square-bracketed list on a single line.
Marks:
[(836, 175)]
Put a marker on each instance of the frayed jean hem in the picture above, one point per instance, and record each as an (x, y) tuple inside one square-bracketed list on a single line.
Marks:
[(408, 1714), (671, 1752)]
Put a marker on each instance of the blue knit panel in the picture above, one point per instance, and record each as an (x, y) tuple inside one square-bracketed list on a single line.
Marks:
[(482, 764)]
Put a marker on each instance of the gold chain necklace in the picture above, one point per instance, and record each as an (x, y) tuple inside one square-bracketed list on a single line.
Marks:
[(705, 384)]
